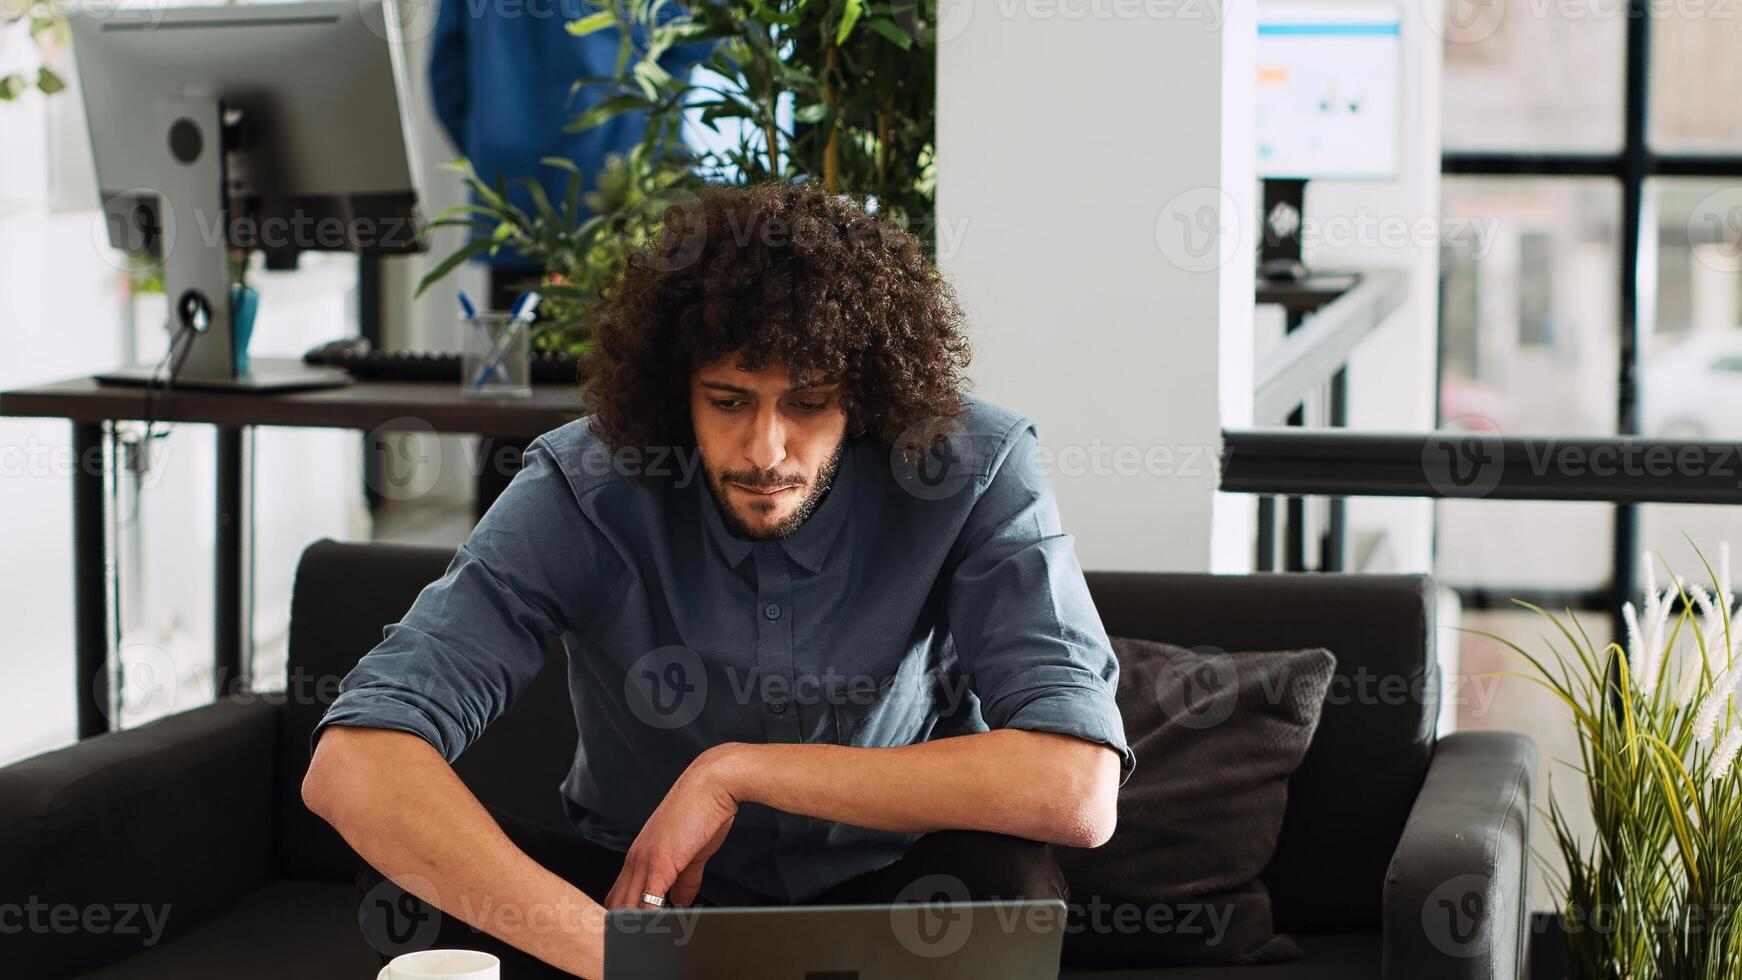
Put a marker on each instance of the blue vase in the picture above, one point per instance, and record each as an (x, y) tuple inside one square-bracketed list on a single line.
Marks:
[(244, 303)]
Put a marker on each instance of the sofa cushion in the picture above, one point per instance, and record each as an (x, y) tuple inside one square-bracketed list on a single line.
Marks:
[(1349, 800), (286, 930), (1217, 736)]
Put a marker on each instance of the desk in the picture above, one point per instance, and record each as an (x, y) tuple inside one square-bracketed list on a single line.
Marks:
[(1300, 297), (364, 405)]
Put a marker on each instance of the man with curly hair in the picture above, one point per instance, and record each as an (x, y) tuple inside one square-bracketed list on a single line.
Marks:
[(826, 639)]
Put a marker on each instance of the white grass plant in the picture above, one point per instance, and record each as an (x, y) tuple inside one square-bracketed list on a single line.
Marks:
[(1656, 892)]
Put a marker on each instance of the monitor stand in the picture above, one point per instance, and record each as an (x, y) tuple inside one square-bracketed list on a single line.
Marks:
[(193, 191), (264, 374)]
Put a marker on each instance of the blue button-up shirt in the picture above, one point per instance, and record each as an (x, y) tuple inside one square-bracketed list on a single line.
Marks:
[(921, 600)]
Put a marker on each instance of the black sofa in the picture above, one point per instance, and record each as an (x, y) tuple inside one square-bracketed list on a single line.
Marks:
[(1401, 856)]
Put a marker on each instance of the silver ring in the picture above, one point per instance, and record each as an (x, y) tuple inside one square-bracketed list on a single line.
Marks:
[(653, 900)]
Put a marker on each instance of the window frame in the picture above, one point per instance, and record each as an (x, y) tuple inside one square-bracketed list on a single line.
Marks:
[(1632, 166)]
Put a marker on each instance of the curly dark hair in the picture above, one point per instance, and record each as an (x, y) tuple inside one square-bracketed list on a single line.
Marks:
[(779, 273)]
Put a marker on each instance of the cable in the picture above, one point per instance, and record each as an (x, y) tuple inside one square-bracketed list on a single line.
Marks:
[(151, 384)]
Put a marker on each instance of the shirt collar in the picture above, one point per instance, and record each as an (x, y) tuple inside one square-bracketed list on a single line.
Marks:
[(810, 544)]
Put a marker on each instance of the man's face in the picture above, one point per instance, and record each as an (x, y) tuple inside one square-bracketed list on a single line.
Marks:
[(770, 447)]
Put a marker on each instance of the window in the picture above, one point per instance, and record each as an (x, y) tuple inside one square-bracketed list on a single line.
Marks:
[(1526, 76), (1599, 140)]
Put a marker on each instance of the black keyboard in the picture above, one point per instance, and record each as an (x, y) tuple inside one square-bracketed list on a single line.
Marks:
[(418, 365)]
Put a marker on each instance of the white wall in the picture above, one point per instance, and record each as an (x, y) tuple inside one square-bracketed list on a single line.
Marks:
[(1095, 162), (431, 322), (58, 315)]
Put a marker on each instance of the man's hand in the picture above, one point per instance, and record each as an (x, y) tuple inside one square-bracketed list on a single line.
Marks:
[(399, 804), (1037, 785), (686, 829)]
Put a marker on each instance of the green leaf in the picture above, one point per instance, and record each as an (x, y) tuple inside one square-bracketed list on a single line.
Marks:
[(725, 109), (547, 214), (48, 81), (496, 198), (849, 16), (592, 23), (49, 32), (652, 78), (461, 223), (814, 113), (607, 110), (452, 262), (561, 163), (12, 86), (895, 35)]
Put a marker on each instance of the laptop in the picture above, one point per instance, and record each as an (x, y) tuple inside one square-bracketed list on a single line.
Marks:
[(1016, 940)]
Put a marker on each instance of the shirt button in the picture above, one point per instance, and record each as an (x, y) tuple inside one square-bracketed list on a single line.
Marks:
[(772, 610), (777, 705)]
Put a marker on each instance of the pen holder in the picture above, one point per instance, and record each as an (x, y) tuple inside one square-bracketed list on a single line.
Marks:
[(495, 355)]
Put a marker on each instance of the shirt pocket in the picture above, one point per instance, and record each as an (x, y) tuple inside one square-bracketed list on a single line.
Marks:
[(900, 710)]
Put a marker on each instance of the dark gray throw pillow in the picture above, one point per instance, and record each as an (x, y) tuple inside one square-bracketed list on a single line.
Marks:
[(1217, 736)]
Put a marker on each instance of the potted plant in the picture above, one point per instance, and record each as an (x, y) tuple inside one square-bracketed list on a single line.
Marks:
[(576, 255), (1657, 890), (858, 81), (840, 91)]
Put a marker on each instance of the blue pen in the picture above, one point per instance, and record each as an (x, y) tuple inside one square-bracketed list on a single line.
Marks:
[(471, 314), (524, 308)]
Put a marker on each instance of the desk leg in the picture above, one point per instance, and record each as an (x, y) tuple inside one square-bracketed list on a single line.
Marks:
[(91, 578), (230, 572)]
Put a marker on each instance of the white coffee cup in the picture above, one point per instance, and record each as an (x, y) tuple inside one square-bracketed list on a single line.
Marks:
[(446, 964)]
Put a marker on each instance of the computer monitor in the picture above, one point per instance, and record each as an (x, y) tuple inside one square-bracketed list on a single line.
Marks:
[(1329, 84), (281, 128), (1328, 91)]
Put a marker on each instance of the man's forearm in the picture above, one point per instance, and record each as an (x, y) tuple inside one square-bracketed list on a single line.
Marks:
[(400, 806), (1037, 785)]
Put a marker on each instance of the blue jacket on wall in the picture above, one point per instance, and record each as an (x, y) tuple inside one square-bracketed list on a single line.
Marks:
[(500, 75)]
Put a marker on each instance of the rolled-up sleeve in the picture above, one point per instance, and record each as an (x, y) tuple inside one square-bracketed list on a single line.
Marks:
[(1026, 631), (475, 638)]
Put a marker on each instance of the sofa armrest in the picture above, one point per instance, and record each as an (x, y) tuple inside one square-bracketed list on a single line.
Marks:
[(1456, 894), (118, 842)]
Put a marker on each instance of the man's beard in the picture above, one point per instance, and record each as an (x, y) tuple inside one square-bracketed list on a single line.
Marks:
[(814, 494)]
